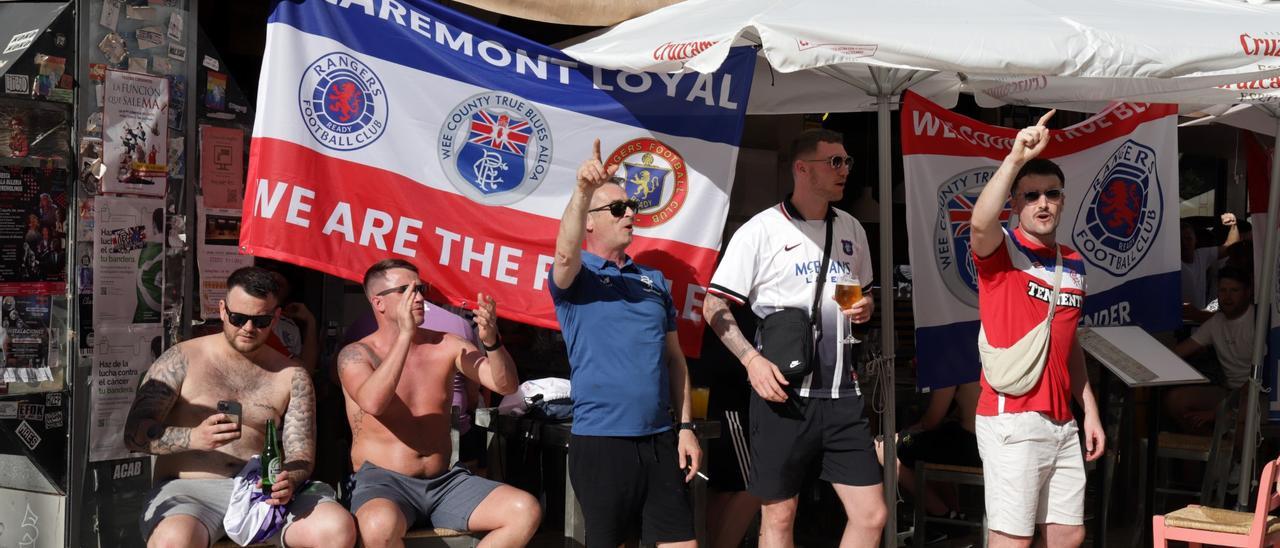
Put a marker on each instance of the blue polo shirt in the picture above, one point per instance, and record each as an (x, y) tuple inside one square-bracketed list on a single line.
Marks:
[(615, 322)]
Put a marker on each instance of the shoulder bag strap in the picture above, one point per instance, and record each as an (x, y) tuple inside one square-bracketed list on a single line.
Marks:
[(815, 317), (1057, 284)]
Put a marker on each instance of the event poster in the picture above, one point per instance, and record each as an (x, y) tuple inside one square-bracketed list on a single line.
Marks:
[(136, 133), (33, 231), (1120, 213), (222, 167), (121, 357), (128, 252), (218, 237), (24, 339)]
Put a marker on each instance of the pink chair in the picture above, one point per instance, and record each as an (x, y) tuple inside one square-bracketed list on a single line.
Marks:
[(1197, 525)]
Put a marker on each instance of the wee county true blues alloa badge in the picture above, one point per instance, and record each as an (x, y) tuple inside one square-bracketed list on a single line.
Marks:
[(495, 148), (342, 102)]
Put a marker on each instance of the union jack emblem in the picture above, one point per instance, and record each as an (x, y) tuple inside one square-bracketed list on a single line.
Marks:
[(500, 134), (960, 213)]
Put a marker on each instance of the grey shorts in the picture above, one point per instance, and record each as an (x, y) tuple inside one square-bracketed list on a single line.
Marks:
[(207, 501), (445, 501)]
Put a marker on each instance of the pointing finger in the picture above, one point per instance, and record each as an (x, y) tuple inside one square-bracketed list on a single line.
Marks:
[(596, 154), (1044, 119)]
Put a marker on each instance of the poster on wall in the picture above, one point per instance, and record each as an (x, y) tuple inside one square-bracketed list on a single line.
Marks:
[(120, 359), (33, 231), (129, 254), (24, 339), (219, 236), (222, 166), (136, 133)]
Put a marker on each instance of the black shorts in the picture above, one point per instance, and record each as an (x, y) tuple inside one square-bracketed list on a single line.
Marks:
[(729, 456), (949, 443), (625, 485), (783, 448)]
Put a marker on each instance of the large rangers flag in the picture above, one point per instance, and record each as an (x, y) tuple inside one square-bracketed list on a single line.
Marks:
[(403, 129), (1121, 214)]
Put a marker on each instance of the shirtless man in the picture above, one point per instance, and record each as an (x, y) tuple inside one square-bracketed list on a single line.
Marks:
[(398, 385), (175, 417)]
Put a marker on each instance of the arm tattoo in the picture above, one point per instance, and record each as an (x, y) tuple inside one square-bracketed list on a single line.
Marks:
[(356, 353), (144, 428), (722, 322), (298, 436)]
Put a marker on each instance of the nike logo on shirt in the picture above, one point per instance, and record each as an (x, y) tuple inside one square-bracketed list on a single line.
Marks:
[(790, 247)]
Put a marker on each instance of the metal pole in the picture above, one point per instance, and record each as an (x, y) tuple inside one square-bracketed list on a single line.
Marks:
[(1261, 320), (890, 539)]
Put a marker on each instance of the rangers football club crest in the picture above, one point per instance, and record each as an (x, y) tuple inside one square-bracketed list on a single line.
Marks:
[(1121, 213), (342, 102), (655, 176), (848, 247), (956, 198), (495, 148)]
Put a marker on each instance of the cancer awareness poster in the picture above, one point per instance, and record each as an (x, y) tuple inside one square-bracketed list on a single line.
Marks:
[(441, 140), (129, 254), (121, 357), (1120, 213), (135, 133)]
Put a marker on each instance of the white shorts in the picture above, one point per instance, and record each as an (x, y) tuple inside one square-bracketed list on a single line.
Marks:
[(1033, 472)]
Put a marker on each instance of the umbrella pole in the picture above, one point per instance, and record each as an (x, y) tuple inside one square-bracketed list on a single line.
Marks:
[(888, 350), (1263, 288)]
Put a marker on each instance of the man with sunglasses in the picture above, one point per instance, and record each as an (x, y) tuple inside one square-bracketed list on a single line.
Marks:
[(174, 416), (627, 370), (772, 262), (398, 385), (1029, 444)]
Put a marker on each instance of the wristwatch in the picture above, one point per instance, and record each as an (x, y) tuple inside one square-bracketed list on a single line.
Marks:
[(687, 426)]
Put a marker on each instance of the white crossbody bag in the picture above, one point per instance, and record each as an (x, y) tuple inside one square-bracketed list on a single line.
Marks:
[(1015, 370)]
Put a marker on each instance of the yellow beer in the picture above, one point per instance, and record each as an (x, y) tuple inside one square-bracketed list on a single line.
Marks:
[(700, 397), (848, 293)]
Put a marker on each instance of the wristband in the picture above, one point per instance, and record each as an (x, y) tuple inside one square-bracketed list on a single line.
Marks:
[(687, 426), (496, 345)]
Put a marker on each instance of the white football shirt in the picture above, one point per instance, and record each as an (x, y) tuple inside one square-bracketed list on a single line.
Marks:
[(772, 263)]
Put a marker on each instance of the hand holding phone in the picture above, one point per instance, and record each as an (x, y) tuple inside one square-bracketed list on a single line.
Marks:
[(232, 410)]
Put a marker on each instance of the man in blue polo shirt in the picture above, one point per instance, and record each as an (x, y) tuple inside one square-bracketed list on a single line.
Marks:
[(627, 466)]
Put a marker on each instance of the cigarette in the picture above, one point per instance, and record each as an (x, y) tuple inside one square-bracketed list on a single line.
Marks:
[(703, 476)]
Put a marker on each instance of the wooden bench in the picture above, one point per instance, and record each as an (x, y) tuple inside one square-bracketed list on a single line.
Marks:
[(963, 475), (433, 538)]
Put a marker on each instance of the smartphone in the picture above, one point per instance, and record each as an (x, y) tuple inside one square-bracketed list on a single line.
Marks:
[(231, 409)]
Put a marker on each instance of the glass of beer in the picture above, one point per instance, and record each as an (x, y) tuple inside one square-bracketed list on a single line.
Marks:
[(848, 292), (700, 396)]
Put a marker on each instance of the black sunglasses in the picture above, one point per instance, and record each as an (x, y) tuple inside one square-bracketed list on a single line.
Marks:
[(1032, 196), (836, 162), (261, 321), (420, 288), (618, 208)]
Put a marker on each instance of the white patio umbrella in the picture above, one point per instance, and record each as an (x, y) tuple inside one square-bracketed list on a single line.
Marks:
[(1096, 49)]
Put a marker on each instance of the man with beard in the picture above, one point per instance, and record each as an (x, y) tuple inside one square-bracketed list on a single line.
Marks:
[(201, 450), (1029, 443)]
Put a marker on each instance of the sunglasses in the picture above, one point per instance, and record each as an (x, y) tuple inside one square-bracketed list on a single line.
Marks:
[(420, 288), (261, 321), (836, 162), (618, 208), (1032, 196)]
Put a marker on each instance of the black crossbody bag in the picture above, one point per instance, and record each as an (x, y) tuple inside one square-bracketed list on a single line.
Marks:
[(789, 337)]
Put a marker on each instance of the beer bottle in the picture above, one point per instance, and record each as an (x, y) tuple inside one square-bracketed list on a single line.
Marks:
[(271, 457)]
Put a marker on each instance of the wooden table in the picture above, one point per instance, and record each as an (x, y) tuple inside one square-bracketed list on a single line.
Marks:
[(556, 436)]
